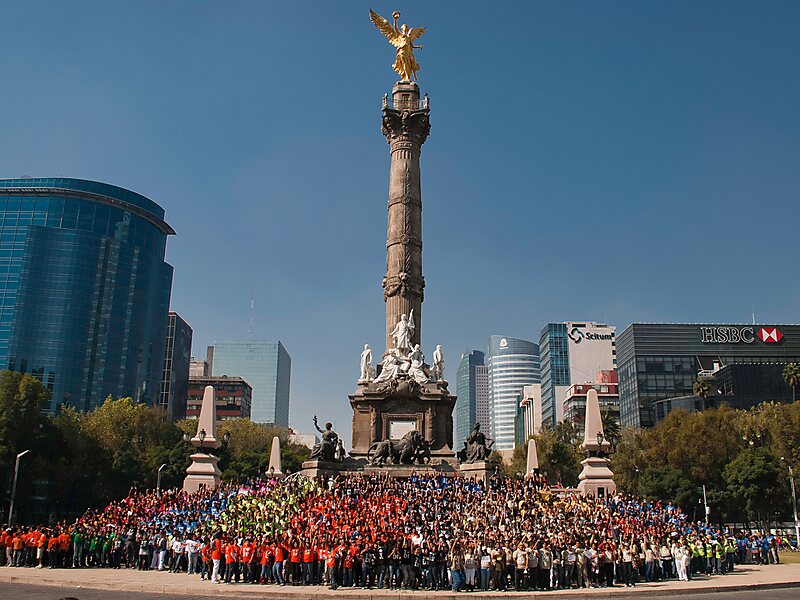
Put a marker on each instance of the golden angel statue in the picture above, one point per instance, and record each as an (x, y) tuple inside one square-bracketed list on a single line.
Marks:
[(403, 39)]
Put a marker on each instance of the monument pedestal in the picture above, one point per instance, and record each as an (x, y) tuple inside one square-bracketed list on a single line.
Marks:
[(392, 409), (481, 470), (203, 472), (596, 478)]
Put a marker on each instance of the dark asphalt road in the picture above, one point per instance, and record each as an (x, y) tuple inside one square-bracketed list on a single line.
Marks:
[(12, 591)]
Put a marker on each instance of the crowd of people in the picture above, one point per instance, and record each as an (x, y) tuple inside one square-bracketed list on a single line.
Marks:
[(423, 532)]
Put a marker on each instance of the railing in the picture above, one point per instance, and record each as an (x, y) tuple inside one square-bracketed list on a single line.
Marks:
[(401, 103)]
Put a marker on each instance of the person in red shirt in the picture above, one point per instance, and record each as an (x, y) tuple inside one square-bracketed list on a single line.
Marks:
[(216, 559), (205, 556), (295, 560), (232, 555), (309, 564), (280, 557), (267, 558), (248, 561)]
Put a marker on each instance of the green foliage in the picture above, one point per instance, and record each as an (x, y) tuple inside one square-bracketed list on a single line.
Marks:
[(754, 482), (668, 483), (791, 374), (611, 428)]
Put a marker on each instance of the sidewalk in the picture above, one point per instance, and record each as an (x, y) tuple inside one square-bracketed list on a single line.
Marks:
[(747, 577)]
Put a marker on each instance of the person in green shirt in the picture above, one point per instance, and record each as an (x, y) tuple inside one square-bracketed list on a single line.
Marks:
[(77, 548)]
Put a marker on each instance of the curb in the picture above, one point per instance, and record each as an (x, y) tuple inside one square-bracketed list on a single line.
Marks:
[(241, 590)]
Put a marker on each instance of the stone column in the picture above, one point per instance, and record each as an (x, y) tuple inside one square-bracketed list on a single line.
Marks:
[(406, 126)]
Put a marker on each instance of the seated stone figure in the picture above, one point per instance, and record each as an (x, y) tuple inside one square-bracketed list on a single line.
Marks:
[(326, 449), (477, 447)]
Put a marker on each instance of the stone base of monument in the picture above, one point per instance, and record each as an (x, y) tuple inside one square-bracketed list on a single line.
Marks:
[(394, 408), (327, 468), (203, 472), (481, 470), (596, 478)]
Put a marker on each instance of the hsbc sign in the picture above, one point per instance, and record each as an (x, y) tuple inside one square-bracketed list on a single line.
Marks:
[(739, 335)]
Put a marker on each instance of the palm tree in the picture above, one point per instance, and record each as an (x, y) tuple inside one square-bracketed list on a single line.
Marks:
[(611, 428), (791, 374), (702, 389)]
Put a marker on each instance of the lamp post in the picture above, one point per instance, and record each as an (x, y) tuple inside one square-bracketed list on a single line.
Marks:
[(705, 503), (158, 482), (794, 502), (14, 485)]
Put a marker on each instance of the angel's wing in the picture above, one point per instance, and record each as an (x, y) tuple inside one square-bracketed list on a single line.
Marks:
[(415, 32), (384, 25)]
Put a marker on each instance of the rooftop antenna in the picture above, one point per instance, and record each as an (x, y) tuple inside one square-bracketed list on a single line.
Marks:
[(252, 315)]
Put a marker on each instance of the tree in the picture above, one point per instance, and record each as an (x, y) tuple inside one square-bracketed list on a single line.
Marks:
[(611, 428), (755, 482), (668, 483), (559, 456), (791, 374), (702, 389)]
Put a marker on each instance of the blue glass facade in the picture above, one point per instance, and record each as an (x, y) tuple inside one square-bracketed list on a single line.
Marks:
[(84, 289), (513, 364), (267, 367), (555, 367), (466, 409)]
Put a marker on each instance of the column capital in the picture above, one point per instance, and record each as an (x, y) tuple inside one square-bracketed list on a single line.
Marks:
[(406, 126)]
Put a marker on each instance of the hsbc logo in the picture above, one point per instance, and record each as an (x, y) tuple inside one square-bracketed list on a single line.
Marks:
[(770, 335), (739, 335)]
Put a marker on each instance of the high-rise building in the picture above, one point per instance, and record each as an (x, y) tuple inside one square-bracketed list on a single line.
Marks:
[(466, 412), (513, 364), (482, 403), (529, 412), (743, 363), (572, 352), (198, 369), (607, 387), (267, 367), (175, 379), (232, 395), (84, 289)]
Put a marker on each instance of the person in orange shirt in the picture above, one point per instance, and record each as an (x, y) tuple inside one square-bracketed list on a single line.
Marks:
[(247, 560), (232, 554), (295, 559), (5, 548), (277, 568), (205, 557), (309, 565), (216, 558), (63, 549), (18, 545), (267, 558)]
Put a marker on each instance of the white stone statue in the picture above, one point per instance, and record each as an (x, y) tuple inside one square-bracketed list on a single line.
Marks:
[(367, 370), (390, 367), (403, 332), (417, 367), (438, 364)]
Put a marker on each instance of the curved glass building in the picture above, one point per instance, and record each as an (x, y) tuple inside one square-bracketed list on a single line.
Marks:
[(513, 364), (84, 289)]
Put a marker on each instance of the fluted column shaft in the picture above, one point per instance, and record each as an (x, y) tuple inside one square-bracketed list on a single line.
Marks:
[(406, 126)]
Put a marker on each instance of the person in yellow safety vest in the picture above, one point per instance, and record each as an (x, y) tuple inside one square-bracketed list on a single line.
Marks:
[(709, 557), (719, 557), (695, 556), (730, 551)]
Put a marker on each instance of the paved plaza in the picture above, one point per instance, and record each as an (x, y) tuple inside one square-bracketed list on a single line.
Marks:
[(774, 581)]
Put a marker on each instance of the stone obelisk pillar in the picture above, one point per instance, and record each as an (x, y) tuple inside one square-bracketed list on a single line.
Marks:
[(406, 126)]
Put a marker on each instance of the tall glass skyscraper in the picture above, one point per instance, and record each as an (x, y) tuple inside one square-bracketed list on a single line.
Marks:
[(513, 364), (267, 367), (175, 379), (468, 390), (84, 289), (572, 352)]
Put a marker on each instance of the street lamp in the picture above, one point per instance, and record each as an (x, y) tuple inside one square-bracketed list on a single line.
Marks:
[(186, 438), (794, 502), (14, 486), (158, 482)]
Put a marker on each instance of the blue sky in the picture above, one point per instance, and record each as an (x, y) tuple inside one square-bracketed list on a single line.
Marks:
[(614, 161)]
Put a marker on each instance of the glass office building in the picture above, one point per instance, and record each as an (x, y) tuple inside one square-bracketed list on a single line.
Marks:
[(468, 389), (267, 367), (555, 368), (659, 363), (84, 289), (175, 378), (513, 364)]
